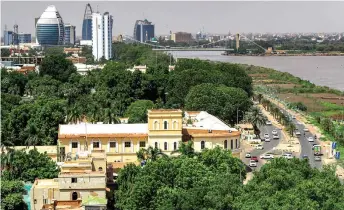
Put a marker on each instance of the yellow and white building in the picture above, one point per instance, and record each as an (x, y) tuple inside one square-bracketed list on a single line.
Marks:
[(164, 130)]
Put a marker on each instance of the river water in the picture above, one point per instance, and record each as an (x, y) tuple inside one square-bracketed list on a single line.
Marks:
[(320, 70)]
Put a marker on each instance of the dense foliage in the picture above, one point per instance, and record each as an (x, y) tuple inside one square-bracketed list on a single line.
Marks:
[(34, 105), (211, 180), (27, 166), (12, 195)]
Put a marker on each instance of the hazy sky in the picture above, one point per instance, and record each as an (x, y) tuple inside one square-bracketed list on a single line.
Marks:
[(215, 17)]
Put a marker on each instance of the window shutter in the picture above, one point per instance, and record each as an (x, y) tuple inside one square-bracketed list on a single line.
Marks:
[(132, 146), (138, 145), (117, 146), (91, 145), (70, 146), (78, 146), (108, 146), (100, 144)]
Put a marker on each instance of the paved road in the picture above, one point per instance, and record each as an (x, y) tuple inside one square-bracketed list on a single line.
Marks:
[(306, 147), (267, 145)]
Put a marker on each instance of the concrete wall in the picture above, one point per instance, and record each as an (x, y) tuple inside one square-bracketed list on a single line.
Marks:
[(43, 193), (211, 142)]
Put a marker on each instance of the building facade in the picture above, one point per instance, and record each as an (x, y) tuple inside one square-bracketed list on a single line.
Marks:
[(181, 37), (24, 38), (102, 35), (8, 37), (165, 130), (143, 30), (50, 27), (87, 23), (69, 34)]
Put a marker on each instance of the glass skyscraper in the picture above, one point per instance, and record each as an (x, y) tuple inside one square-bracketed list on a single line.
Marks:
[(143, 30), (69, 34), (50, 27), (24, 38), (87, 23), (8, 37)]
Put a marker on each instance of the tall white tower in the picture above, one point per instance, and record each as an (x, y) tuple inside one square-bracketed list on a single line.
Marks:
[(102, 36)]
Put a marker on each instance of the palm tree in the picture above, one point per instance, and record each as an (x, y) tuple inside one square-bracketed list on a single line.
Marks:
[(291, 128), (33, 138), (186, 149), (7, 159), (256, 118), (259, 97), (110, 116), (150, 154), (74, 115)]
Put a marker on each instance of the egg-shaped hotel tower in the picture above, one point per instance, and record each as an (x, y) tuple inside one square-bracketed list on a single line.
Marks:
[(50, 27)]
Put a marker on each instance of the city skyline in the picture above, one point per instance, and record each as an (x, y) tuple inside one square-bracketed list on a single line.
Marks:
[(214, 17)]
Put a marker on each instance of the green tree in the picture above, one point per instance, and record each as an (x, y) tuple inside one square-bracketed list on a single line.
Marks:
[(12, 195), (256, 118), (57, 66), (5, 52), (137, 111)]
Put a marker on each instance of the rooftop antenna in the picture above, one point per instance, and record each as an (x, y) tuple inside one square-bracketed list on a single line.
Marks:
[(97, 8)]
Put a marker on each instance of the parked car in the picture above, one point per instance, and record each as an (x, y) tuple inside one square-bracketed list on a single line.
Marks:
[(305, 157), (248, 155), (310, 139), (255, 158), (275, 136), (293, 117), (317, 158), (268, 123), (274, 132), (259, 146), (267, 156), (287, 156), (305, 130), (267, 139), (298, 133), (253, 163), (266, 135)]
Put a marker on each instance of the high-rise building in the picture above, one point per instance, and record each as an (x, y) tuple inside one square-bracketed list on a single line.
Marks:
[(24, 38), (15, 35), (36, 20), (182, 37), (102, 35), (50, 27), (8, 37), (143, 30), (69, 34), (87, 23)]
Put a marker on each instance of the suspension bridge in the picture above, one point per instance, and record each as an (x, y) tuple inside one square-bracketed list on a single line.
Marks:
[(203, 47)]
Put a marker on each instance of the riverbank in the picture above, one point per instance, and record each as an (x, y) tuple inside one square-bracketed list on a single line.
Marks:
[(286, 54)]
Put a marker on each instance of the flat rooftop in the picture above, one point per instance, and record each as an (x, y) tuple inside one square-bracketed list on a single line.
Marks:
[(46, 183)]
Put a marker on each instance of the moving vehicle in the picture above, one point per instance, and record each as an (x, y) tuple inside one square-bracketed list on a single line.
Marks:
[(259, 146), (298, 133), (293, 117), (253, 163), (275, 136), (305, 157), (267, 139), (317, 158), (274, 132), (266, 135), (316, 149), (287, 156), (267, 156), (248, 155), (268, 123), (310, 139), (305, 130), (255, 158)]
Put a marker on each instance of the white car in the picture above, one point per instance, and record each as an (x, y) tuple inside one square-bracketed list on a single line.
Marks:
[(274, 132), (267, 156), (298, 133), (287, 156), (266, 135), (253, 163), (305, 130), (259, 146), (268, 123), (248, 155), (310, 139), (317, 158), (275, 136), (293, 117), (267, 139)]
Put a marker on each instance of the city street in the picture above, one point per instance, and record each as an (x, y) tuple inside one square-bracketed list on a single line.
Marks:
[(267, 146), (306, 147)]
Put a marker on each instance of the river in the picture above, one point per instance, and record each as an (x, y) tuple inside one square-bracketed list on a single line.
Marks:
[(320, 70)]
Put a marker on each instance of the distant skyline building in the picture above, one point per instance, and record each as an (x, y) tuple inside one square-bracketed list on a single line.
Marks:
[(87, 23), (102, 35), (50, 27), (8, 37), (70, 36), (182, 37), (24, 38), (143, 30)]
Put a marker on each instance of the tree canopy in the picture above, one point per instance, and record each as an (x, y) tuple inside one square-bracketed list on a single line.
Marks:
[(137, 111)]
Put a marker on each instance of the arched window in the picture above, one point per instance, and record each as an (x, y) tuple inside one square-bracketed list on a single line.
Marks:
[(165, 125), (165, 146), (175, 146), (202, 144), (74, 196), (156, 144), (225, 144), (236, 143), (175, 125), (100, 169), (231, 143), (156, 125)]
